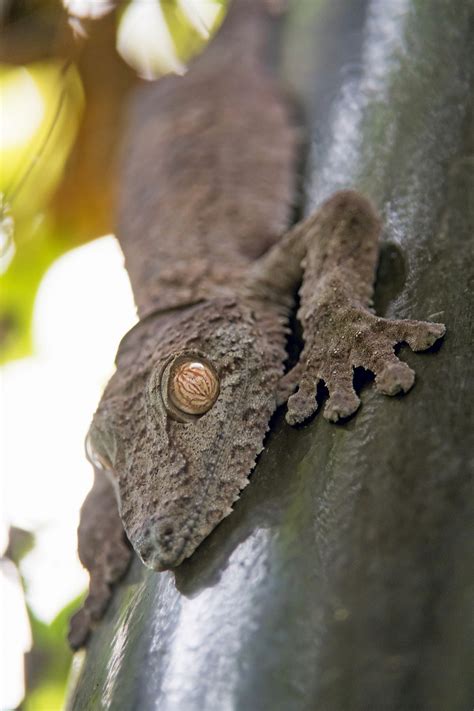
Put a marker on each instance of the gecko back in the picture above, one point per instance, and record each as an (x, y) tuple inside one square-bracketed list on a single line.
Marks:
[(208, 168)]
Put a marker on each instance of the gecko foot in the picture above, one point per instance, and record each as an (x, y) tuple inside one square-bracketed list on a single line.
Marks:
[(82, 622), (106, 553), (355, 339), (98, 598)]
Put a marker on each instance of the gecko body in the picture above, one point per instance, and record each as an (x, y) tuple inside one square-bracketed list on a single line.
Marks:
[(207, 190)]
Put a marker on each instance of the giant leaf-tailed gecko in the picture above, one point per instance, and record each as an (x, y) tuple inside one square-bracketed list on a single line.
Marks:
[(207, 189)]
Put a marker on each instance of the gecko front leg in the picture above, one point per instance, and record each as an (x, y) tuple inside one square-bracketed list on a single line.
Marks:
[(335, 251), (104, 551)]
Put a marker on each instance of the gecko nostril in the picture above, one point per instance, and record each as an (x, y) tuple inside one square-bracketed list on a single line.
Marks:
[(161, 543), (164, 534)]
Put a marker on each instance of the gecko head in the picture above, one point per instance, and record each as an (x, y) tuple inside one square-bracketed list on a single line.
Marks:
[(182, 422)]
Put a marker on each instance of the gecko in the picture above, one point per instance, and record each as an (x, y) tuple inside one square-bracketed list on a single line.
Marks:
[(204, 221)]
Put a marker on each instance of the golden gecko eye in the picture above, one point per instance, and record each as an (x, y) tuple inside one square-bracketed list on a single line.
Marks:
[(190, 386), (193, 387)]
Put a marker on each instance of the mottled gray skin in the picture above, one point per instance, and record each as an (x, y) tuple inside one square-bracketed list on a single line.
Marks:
[(208, 179)]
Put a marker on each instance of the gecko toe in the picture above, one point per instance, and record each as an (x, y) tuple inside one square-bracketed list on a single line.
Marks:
[(423, 335), (394, 377), (341, 404), (419, 335), (343, 401), (79, 629), (303, 403)]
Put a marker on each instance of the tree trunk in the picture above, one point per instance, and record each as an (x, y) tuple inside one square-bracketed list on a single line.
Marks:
[(343, 578)]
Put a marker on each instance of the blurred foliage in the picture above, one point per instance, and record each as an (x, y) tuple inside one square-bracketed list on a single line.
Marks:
[(49, 662), (59, 181), (33, 152), (20, 543), (42, 109), (188, 38)]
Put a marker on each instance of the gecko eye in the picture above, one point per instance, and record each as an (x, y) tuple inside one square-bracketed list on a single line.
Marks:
[(189, 387), (96, 458)]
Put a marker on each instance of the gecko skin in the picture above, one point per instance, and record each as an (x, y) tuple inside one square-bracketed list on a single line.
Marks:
[(207, 187)]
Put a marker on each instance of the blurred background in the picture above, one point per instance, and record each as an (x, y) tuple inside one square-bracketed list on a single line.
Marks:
[(66, 73)]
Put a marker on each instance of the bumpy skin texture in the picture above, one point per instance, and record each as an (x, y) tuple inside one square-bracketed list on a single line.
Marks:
[(207, 185)]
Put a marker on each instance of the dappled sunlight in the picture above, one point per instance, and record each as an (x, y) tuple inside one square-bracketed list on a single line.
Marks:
[(157, 38), (41, 109), (144, 41), (83, 308), (7, 244), (93, 9), (202, 14), (23, 108)]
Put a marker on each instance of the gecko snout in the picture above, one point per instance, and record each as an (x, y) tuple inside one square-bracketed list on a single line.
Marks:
[(161, 546)]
